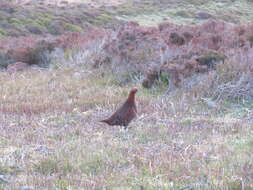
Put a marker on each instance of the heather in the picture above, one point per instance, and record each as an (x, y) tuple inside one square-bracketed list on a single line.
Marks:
[(191, 63)]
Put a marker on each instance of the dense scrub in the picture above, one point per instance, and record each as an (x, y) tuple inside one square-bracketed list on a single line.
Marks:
[(214, 56)]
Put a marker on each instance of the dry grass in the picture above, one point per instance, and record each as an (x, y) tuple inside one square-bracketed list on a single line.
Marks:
[(51, 137), (96, 3)]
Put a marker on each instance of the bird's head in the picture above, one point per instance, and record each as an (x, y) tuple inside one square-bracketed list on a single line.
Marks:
[(134, 90), (132, 94)]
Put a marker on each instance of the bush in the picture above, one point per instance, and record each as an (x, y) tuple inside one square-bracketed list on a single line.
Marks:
[(5, 60), (39, 54)]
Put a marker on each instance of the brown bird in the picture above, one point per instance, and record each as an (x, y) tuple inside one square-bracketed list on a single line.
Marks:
[(126, 113)]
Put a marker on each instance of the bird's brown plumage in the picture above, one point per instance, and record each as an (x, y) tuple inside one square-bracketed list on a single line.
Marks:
[(126, 113)]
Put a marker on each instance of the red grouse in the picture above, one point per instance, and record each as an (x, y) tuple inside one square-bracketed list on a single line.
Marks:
[(126, 113)]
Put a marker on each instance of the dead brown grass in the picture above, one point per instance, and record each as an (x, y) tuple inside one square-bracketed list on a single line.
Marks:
[(51, 137)]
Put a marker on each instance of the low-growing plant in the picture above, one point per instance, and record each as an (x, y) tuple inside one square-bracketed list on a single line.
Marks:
[(52, 166)]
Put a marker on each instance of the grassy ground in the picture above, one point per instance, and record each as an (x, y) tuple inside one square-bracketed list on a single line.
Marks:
[(49, 17), (51, 137), (186, 12)]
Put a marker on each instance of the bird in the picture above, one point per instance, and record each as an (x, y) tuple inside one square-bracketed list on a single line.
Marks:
[(126, 113)]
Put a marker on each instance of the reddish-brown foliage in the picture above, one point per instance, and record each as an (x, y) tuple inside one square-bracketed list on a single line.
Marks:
[(141, 47), (178, 47), (27, 49)]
